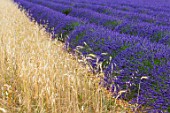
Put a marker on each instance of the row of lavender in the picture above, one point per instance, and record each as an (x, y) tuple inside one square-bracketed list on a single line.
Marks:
[(122, 8), (129, 62), (160, 34), (111, 11), (150, 5)]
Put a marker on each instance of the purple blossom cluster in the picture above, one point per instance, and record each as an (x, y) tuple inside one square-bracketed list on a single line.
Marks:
[(132, 49)]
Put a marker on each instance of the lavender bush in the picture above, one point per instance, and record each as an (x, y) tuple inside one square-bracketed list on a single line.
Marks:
[(132, 59)]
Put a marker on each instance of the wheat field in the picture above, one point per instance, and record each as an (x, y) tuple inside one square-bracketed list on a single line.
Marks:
[(38, 76)]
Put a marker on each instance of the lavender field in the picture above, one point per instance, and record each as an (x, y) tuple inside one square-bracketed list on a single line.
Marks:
[(128, 40)]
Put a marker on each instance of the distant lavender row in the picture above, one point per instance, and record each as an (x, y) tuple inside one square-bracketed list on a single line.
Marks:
[(125, 59), (121, 13), (132, 16), (159, 34), (150, 5), (122, 5), (154, 18), (160, 18)]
